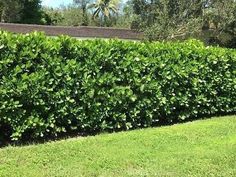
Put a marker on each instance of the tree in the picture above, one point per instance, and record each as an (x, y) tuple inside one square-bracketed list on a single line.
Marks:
[(180, 19), (10, 10), (72, 16), (83, 4), (21, 11), (126, 16), (221, 21), (31, 11), (104, 9), (52, 16), (165, 19)]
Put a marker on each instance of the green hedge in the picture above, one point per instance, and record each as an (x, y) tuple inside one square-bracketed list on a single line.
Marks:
[(49, 86)]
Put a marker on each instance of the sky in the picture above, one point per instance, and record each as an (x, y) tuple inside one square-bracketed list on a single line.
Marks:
[(55, 3)]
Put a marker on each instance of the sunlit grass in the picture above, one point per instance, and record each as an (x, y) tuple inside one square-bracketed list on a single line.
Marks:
[(200, 148)]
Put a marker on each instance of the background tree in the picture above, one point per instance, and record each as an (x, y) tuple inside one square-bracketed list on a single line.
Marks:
[(210, 20), (31, 11), (221, 19), (71, 16), (104, 10), (10, 10), (125, 15), (52, 16), (21, 11), (83, 5)]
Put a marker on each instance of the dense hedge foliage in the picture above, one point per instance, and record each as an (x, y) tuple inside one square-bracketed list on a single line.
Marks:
[(53, 85)]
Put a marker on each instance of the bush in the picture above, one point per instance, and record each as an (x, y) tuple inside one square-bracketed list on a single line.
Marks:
[(49, 86)]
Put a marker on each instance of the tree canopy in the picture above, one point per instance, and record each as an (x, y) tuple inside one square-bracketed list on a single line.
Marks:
[(175, 19), (21, 11), (104, 9)]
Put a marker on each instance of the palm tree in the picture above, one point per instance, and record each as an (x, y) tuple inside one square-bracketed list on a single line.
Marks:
[(104, 9)]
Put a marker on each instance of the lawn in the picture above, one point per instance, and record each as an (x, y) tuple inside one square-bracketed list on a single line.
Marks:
[(200, 148)]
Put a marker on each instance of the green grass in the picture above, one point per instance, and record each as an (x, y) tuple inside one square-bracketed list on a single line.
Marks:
[(200, 148)]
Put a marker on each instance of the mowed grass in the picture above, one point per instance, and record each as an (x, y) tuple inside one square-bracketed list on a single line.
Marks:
[(200, 148)]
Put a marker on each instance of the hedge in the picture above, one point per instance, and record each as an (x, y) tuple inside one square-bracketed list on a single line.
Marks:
[(50, 86)]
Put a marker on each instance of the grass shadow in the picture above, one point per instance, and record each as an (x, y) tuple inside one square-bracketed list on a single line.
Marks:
[(75, 134)]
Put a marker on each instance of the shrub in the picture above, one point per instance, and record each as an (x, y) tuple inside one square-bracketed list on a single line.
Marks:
[(53, 85)]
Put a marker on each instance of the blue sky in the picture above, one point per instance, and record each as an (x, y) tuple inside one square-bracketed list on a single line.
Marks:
[(55, 3)]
